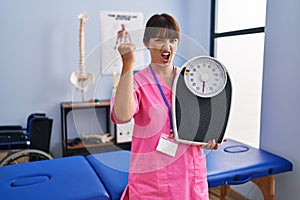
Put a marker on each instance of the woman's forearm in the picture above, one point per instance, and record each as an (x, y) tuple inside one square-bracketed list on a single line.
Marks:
[(124, 101)]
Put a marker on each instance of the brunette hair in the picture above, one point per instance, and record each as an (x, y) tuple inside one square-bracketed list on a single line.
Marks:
[(161, 25)]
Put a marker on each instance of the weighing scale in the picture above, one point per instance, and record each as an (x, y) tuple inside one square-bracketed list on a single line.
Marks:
[(201, 101)]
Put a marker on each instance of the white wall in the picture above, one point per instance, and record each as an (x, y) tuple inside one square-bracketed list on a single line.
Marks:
[(280, 121), (39, 51)]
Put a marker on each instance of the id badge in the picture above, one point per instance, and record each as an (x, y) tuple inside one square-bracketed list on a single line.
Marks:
[(166, 145)]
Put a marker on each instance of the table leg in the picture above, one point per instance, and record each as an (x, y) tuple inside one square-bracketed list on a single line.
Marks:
[(220, 192), (225, 189), (267, 186)]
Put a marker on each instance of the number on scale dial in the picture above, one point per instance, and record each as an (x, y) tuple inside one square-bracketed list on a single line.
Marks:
[(205, 76)]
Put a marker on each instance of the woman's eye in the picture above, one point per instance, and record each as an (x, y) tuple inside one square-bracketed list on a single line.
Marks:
[(159, 40), (173, 40)]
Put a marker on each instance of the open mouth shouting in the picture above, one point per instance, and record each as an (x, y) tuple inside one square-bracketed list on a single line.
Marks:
[(165, 56)]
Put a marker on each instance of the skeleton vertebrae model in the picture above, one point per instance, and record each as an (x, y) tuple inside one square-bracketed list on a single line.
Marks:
[(82, 80)]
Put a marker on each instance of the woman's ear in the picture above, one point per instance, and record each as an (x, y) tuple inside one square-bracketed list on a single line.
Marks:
[(146, 45)]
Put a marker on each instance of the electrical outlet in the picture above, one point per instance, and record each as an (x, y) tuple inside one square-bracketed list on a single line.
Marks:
[(124, 132)]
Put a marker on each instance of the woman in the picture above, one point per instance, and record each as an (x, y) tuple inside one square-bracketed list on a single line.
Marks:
[(160, 168)]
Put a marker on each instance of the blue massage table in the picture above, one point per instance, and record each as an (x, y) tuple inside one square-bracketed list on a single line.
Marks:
[(62, 178), (237, 163), (104, 176)]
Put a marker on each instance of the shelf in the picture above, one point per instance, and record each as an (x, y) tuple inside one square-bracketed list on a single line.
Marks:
[(78, 105), (84, 145), (84, 148)]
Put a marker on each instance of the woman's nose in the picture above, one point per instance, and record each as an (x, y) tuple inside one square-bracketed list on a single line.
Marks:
[(167, 45)]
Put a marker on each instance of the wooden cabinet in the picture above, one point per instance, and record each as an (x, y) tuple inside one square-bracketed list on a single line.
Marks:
[(92, 143)]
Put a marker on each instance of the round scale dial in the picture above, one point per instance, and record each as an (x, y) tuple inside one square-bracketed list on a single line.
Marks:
[(205, 76)]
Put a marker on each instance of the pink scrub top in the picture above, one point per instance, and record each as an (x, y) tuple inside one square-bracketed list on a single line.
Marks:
[(154, 175)]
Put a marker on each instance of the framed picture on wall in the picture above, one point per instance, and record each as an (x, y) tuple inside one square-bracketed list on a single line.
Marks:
[(118, 27)]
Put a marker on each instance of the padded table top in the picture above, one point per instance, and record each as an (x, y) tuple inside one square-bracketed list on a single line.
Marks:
[(112, 168), (233, 163), (62, 178), (237, 163), (104, 175)]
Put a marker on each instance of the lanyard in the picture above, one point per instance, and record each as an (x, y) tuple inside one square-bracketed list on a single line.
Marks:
[(165, 100)]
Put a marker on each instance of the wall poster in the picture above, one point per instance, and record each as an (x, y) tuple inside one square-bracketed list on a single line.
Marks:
[(118, 27)]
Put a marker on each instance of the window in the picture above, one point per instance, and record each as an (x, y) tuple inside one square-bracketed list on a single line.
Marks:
[(237, 40)]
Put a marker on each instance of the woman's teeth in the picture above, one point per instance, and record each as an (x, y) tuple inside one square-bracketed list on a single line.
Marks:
[(165, 55)]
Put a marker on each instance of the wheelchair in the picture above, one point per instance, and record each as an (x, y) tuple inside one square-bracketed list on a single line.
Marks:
[(26, 144)]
